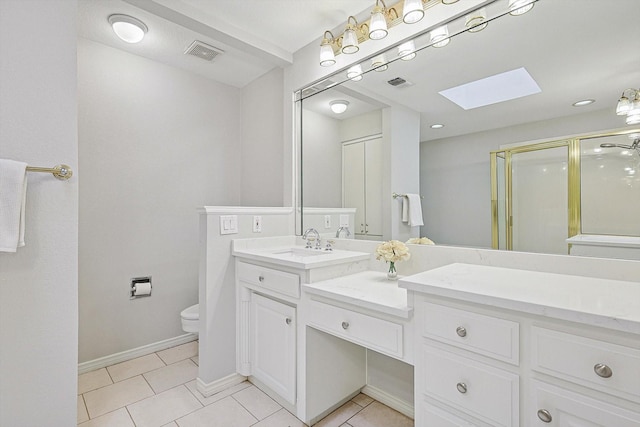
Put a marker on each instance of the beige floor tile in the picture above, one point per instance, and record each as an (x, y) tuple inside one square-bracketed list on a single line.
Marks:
[(255, 401), (379, 415), (282, 418), (346, 425), (134, 367), (178, 353), (119, 418), (196, 360), (82, 411), (115, 396), (165, 407), (93, 380), (224, 413), (340, 415), (172, 424), (191, 385), (362, 400), (172, 375)]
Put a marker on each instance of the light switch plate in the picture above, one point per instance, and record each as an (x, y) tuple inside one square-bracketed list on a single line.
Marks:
[(257, 224), (344, 220), (228, 224), (327, 221)]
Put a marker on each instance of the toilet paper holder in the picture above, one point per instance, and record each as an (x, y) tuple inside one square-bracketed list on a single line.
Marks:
[(140, 287)]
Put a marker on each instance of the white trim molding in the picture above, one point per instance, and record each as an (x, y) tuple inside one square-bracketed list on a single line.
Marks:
[(391, 401), (209, 389), (244, 210)]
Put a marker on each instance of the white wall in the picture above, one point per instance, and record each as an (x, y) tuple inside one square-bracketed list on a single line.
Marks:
[(38, 284), (156, 142)]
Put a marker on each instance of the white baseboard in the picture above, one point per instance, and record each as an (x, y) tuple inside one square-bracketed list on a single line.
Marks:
[(390, 400), (209, 389), (123, 356)]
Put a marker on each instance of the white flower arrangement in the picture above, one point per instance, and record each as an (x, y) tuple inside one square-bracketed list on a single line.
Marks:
[(392, 251), (420, 241)]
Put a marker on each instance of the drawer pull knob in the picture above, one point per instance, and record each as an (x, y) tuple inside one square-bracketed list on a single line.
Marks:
[(288, 320), (345, 325), (544, 415), (261, 279), (462, 387), (461, 331), (603, 370)]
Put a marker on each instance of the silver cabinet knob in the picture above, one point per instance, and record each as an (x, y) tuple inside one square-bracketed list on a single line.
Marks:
[(544, 415), (288, 320), (462, 387), (461, 331), (261, 278), (345, 325), (602, 370)]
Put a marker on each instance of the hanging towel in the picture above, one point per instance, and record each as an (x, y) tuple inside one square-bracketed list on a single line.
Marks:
[(415, 210), (405, 209), (13, 195)]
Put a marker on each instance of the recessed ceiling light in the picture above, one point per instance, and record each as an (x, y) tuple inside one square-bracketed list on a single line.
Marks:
[(583, 102), (437, 126), (128, 28)]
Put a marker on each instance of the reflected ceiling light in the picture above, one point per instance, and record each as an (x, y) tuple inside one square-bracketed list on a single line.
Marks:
[(378, 22), (519, 7), (437, 126), (449, 1), (350, 38), (339, 106), (629, 105), (412, 11), (355, 73), (476, 21), (379, 63), (327, 56), (440, 36), (128, 28), (407, 50), (583, 102)]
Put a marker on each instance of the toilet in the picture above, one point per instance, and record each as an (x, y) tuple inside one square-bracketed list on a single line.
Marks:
[(190, 317)]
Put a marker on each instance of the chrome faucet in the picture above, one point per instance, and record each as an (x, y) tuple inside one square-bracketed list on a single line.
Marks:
[(346, 229), (309, 239)]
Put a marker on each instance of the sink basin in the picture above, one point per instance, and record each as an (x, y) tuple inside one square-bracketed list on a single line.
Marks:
[(299, 252)]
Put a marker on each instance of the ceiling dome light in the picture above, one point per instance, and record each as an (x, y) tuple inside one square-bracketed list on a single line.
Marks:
[(407, 50), (378, 22), (355, 73), (327, 56), (476, 21), (379, 63), (437, 126), (339, 106), (412, 11), (350, 38), (128, 28), (520, 7), (583, 102), (440, 36)]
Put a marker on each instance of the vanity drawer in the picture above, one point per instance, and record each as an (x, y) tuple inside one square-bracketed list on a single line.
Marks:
[(486, 335), (607, 367), (268, 278), (482, 391), (370, 332)]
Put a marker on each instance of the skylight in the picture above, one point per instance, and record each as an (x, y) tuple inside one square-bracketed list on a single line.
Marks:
[(492, 90)]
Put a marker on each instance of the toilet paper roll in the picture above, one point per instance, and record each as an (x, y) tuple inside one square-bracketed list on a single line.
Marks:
[(142, 289)]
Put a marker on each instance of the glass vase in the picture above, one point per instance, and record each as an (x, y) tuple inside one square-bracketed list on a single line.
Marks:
[(392, 274)]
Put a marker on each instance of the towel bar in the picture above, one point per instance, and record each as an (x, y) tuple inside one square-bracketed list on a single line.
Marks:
[(62, 172), (396, 195)]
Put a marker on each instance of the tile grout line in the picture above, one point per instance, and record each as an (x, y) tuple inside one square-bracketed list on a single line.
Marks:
[(126, 408)]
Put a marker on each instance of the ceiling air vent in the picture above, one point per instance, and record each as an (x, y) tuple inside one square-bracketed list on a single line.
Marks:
[(399, 82), (203, 51)]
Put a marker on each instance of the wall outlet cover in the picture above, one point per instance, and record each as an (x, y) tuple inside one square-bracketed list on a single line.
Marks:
[(257, 224), (344, 220)]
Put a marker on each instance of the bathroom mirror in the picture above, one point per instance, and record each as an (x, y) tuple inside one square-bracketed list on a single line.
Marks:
[(573, 49)]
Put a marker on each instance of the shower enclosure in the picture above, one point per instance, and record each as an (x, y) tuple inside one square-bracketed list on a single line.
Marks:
[(544, 193)]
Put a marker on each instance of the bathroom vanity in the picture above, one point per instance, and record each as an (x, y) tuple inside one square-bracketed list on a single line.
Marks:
[(490, 346)]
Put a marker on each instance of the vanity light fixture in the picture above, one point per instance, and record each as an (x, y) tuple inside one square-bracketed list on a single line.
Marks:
[(327, 56), (440, 36), (407, 50), (339, 106), (629, 105), (355, 73), (520, 7), (476, 21), (412, 11), (378, 23), (583, 102), (350, 38), (379, 63), (437, 126), (128, 28)]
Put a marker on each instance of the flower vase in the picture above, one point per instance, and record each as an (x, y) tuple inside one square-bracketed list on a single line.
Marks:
[(392, 274)]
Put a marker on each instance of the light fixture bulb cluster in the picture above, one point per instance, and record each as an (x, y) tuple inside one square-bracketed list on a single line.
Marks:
[(629, 105)]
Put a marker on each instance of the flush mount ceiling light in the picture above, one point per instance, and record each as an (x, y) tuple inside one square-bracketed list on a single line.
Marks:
[(128, 28), (339, 106), (583, 102), (412, 11), (437, 126), (327, 56), (379, 63), (476, 21), (440, 36), (355, 73), (350, 38), (520, 7), (407, 50), (378, 23), (629, 105)]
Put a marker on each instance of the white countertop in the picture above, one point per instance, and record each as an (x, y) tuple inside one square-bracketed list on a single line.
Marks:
[(605, 240), (367, 289), (610, 304)]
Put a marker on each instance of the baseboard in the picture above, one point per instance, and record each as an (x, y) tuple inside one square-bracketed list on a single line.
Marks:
[(123, 356), (209, 389), (390, 400)]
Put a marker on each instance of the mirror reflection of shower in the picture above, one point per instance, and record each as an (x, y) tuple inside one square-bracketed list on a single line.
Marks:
[(634, 146)]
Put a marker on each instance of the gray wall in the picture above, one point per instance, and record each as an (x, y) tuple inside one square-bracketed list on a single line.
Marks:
[(38, 284)]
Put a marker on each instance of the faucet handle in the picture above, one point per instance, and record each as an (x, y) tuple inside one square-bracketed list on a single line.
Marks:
[(328, 246), (309, 240)]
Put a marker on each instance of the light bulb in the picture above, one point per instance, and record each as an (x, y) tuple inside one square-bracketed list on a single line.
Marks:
[(440, 36), (476, 21), (412, 11), (327, 56), (379, 63), (520, 7), (355, 73), (407, 50), (377, 24), (624, 105), (349, 38)]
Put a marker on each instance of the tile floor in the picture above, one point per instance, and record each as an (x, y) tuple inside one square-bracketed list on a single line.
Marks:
[(159, 390)]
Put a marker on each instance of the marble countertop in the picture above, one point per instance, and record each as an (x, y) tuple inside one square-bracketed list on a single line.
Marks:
[(611, 304), (368, 289)]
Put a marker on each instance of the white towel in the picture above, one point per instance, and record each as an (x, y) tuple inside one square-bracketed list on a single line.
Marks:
[(405, 209), (415, 210), (13, 196)]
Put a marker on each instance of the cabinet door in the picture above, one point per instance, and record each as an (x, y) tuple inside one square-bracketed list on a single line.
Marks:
[(373, 187), (353, 183), (273, 345)]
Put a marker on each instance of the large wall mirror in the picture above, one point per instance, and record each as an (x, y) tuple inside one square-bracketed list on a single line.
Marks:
[(388, 140)]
